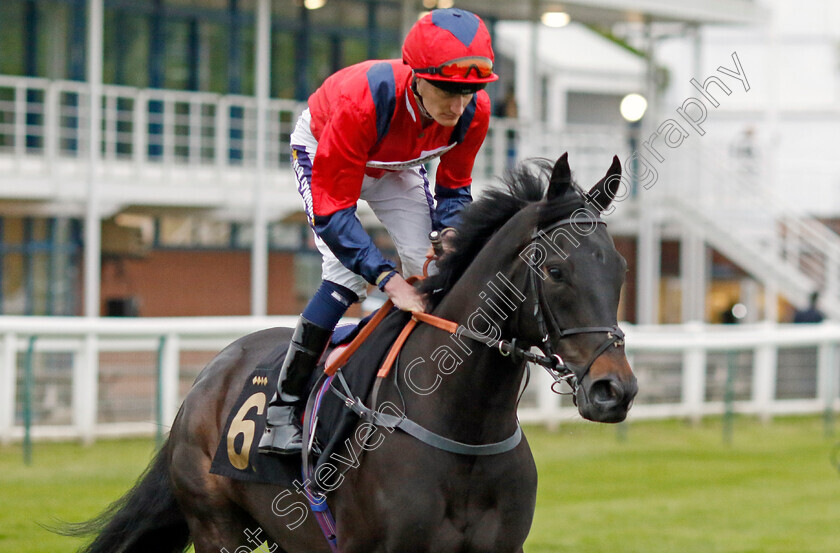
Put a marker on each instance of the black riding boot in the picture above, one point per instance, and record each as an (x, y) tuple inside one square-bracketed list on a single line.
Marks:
[(282, 430)]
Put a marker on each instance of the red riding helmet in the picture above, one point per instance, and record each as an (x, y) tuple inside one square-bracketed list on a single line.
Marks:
[(450, 45)]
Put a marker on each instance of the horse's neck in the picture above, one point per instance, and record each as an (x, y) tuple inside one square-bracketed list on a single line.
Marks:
[(478, 388), (489, 295)]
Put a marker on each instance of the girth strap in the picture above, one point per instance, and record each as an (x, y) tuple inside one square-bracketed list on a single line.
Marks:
[(424, 435)]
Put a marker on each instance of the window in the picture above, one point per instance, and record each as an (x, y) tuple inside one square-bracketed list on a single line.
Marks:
[(39, 266), (193, 232), (11, 37), (126, 52)]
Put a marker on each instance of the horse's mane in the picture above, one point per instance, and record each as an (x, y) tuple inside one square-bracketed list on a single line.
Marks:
[(522, 186)]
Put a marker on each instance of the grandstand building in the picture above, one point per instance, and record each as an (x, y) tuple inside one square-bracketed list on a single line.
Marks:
[(144, 162), (144, 173)]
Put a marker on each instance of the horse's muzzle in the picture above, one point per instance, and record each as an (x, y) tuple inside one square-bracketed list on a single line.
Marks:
[(606, 396)]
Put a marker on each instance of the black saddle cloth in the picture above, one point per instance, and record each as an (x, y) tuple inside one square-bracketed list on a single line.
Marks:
[(237, 456)]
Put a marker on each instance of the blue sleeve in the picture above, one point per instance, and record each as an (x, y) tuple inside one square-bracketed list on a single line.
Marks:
[(450, 202), (343, 234)]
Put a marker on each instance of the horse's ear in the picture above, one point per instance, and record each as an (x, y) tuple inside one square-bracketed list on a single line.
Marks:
[(561, 178), (604, 191)]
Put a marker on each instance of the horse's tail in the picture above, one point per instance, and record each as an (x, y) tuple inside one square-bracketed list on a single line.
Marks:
[(147, 518)]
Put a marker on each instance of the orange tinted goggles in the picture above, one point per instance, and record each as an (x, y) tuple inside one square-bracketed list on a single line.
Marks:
[(462, 68)]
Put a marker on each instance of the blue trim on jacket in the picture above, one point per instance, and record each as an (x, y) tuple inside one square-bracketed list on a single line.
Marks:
[(450, 202), (343, 234), (383, 90), (463, 125)]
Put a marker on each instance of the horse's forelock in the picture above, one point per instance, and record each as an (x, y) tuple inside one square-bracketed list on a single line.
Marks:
[(560, 208)]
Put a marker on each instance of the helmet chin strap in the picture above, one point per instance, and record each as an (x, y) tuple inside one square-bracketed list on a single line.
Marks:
[(420, 105)]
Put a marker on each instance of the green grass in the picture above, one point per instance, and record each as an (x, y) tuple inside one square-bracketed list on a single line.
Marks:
[(669, 487), (675, 488), (65, 481)]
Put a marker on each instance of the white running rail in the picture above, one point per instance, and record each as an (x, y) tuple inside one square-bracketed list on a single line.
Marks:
[(104, 377)]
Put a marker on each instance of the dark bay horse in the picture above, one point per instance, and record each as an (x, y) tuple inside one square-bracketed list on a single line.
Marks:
[(528, 264)]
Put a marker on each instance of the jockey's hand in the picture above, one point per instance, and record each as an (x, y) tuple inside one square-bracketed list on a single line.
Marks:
[(404, 295)]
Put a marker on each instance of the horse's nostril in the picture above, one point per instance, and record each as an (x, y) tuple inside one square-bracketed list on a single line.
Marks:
[(607, 392)]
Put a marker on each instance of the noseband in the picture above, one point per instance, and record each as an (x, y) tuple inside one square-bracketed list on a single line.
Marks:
[(560, 370)]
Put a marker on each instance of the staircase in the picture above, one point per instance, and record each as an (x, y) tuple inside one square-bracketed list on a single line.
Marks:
[(729, 202)]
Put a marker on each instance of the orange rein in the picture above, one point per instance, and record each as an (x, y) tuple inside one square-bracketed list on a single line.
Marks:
[(416, 317), (436, 322)]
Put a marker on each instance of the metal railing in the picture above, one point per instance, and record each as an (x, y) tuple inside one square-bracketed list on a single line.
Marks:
[(729, 201), (190, 149), (50, 118), (79, 378), (199, 149)]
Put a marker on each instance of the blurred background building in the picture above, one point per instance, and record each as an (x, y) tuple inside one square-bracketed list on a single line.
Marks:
[(144, 165), (145, 176)]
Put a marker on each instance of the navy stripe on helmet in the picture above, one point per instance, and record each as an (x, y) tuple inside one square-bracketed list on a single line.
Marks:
[(462, 24), (460, 130), (383, 90)]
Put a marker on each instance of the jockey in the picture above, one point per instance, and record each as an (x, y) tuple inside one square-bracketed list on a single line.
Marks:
[(366, 135)]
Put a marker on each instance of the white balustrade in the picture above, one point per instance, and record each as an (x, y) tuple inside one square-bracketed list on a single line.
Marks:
[(167, 147)]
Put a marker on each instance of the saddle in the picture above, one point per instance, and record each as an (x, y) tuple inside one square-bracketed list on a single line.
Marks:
[(237, 456)]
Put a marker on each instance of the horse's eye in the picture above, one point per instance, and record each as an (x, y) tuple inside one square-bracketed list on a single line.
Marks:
[(556, 274)]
